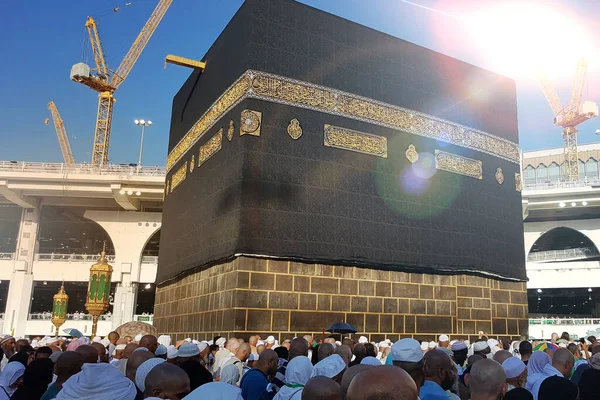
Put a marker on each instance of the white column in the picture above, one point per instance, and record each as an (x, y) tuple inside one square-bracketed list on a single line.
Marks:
[(21, 279), (129, 232)]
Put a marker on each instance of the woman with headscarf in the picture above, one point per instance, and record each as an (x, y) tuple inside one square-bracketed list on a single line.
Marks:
[(36, 379), (535, 368), (10, 379), (297, 373), (216, 391)]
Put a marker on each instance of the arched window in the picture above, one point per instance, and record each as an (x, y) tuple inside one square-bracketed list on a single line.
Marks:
[(541, 173), (581, 169), (591, 168), (554, 172), (529, 173)]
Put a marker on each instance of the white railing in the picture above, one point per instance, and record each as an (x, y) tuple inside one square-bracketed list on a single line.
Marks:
[(562, 255), (564, 321), (21, 166), (559, 184), (71, 257), (46, 316), (7, 256), (149, 259)]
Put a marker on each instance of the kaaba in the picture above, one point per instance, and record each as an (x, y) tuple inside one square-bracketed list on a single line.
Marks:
[(321, 171)]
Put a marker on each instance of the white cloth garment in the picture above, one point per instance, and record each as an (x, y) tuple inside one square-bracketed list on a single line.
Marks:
[(298, 372), (97, 381), (165, 340), (329, 366), (215, 391), (230, 374), (143, 371), (11, 373)]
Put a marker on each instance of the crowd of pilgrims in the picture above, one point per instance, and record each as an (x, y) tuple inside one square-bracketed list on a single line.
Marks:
[(150, 367)]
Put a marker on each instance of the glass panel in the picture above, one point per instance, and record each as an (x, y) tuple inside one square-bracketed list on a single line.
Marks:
[(553, 172), (541, 173), (591, 169), (581, 169), (93, 287), (102, 287), (529, 175)]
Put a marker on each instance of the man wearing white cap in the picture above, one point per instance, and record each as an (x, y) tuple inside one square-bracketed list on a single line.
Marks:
[(161, 352), (424, 347), (516, 372), (432, 345), (187, 351), (270, 342), (407, 354), (363, 340), (482, 348), (444, 341), (172, 354)]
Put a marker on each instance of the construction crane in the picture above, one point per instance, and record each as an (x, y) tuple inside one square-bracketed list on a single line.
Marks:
[(106, 81), (61, 133), (576, 112)]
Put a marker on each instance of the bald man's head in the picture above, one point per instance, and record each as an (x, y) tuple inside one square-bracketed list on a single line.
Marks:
[(167, 381), (351, 373), (298, 347), (439, 368), (102, 355), (136, 359), (150, 342), (68, 364), (129, 349), (360, 351), (243, 352), (321, 388), (487, 379), (325, 350), (89, 354), (563, 361), (502, 356), (344, 352), (386, 382), (268, 362)]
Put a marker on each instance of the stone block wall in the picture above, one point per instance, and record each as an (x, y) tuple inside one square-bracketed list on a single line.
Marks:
[(286, 299)]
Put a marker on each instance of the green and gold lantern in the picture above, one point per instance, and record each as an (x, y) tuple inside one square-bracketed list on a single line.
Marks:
[(98, 290), (59, 308)]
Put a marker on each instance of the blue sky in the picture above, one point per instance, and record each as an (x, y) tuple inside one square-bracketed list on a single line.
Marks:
[(41, 40)]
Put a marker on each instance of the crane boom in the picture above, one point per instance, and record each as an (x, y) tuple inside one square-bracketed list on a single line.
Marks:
[(577, 90), (140, 42), (551, 96), (90, 24), (61, 133)]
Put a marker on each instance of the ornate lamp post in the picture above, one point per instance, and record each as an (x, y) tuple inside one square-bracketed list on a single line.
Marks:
[(98, 289), (59, 307)]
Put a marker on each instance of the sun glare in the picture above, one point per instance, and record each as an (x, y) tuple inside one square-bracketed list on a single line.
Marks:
[(520, 40)]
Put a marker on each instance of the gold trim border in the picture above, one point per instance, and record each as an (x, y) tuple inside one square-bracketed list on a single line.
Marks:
[(360, 142), (458, 165), (278, 89), (179, 176), (210, 148)]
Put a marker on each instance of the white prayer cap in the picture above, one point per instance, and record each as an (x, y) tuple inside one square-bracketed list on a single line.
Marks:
[(370, 360), (260, 343), (271, 340), (188, 350), (210, 342), (97, 339), (329, 366), (202, 346), (513, 367), (143, 371), (189, 340), (363, 340), (443, 338), (105, 342), (165, 340), (492, 343), (195, 341), (160, 350), (480, 345), (407, 350), (466, 342), (424, 346), (388, 341), (120, 347), (137, 337), (338, 343), (221, 342), (432, 345), (171, 352), (383, 345)]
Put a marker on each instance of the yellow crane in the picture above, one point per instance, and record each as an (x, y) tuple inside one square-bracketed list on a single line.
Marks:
[(184, 62), (105, 81), (576, 112), (61, 133)]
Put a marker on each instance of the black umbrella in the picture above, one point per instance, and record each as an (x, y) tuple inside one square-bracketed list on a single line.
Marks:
[(341, 327)]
